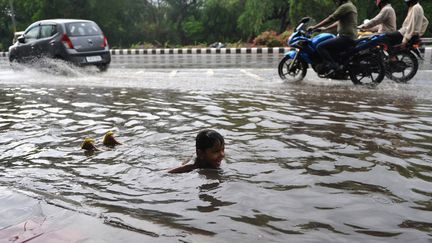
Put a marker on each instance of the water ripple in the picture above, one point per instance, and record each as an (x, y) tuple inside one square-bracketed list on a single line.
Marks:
[(341, 166)]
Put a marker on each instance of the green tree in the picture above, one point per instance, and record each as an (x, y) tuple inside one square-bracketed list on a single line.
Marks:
[(179, 12), (219, 18), (127, 22), (253, 17), (281, 14), (316, 9)]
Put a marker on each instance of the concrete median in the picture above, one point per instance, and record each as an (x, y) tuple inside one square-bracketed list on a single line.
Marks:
[(426, 51)]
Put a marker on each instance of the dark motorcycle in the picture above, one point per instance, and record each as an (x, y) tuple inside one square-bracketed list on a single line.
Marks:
[(362, 63)]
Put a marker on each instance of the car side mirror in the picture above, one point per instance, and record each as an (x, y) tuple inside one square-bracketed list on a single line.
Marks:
[(21, 39)]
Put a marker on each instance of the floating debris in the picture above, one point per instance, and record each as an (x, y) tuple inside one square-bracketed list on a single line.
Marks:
[(109, 140), (88, 145)]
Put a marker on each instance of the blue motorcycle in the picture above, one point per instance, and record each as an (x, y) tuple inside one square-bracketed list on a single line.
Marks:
[(362, 63)]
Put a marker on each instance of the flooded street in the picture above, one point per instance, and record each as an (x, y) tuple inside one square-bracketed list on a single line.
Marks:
[(317, 161)]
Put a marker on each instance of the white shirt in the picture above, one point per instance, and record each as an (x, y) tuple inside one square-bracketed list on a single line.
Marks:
[(415, 23), (384, 22)]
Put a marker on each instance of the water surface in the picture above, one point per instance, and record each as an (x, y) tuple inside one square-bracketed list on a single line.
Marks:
[(313, 162)]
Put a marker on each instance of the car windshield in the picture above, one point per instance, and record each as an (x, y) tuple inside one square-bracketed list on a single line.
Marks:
[(82, 29)]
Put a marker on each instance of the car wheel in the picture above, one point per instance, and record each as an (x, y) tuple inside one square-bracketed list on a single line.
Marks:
[(14, 63), (12, 59), (103, 67)]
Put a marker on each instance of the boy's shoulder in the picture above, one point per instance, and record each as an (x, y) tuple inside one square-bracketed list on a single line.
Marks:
[(183, 169)]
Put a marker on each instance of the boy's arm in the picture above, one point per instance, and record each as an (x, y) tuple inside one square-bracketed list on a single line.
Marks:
[(332, 26), (379, 19), (183, 169)]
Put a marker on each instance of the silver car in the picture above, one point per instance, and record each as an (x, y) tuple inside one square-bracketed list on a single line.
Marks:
[(80, 42)]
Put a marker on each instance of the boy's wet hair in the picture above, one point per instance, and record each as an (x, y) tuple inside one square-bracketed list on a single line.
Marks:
[(207, 139)]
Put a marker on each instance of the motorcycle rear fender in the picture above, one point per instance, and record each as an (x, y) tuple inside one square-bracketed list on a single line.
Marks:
[(303, 56)]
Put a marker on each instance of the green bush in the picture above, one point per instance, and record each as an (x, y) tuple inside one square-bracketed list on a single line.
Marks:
[(284, 36), (237, 44), (142, 45), (272, 39), (268, 38)]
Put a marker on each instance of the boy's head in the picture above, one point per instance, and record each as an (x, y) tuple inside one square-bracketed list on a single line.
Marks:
[(210, 148)]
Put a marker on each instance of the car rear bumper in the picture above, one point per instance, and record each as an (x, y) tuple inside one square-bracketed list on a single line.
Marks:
[(89, 58)]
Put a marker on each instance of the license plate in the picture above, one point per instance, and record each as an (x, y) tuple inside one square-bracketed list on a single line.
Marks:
[(94, 59)]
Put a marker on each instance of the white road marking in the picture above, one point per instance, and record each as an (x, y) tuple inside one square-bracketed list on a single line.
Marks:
[(173, 73)]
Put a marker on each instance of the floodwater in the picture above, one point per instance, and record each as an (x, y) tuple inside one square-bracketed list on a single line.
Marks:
[(318, 161)]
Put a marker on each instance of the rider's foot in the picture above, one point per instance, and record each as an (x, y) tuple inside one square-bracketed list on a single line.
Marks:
[(333, 69), (330, 72)]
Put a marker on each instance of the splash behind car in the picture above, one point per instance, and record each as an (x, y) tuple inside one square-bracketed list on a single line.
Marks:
[(80, 42)]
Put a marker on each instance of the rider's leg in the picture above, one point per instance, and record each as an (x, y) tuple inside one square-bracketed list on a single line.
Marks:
[(394, 38), (328, 48)]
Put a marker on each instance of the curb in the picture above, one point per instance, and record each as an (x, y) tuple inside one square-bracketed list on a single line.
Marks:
[(181, 51), (426, 52)]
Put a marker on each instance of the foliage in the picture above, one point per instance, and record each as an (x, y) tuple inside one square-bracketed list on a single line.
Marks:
[(317, 9), (272, 39), (193, 29), (285, 35), (252, 18), (237, 44), (261, 15), (268, 38), (219, 18), (184, 22)]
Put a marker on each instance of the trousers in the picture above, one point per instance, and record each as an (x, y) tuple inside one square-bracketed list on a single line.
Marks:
[(328, 48)]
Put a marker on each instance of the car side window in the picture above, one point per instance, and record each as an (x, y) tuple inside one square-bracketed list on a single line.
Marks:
[(47, 31), (32, 34)]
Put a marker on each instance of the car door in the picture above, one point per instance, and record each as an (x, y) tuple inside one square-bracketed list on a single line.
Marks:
[(26, 49), (45, 44)]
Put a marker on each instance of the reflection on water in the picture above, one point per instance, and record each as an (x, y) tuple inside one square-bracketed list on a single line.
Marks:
[(303, 164)]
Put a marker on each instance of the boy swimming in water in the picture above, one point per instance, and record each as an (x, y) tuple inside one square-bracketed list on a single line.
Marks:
[(210, 150)]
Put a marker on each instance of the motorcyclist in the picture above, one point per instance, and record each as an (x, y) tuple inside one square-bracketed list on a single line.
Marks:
[(384, 21), (345, 18), (414, 25)]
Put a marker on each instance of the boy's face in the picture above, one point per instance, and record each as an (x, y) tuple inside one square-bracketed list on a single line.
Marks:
[(213, 156)]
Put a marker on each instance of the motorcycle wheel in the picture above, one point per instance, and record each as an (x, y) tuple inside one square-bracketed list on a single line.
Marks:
[(297, 72), (367, 70), (401, 66)]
